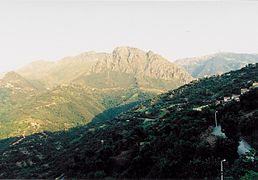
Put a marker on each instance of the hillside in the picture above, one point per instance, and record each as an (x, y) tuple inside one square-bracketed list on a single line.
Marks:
[(170, 136), (25, 110), (15, 89), (216, 63), (16, 81), (56, 96)]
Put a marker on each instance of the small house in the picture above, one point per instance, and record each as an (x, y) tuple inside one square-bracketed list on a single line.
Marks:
[(251, 65), (218, 102), (235, 97), (197, 108), (244, 90), (255, 85), (226, 99)]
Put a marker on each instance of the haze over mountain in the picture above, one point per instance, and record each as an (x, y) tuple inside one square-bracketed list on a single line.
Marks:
[(217, 63), (71, 92)]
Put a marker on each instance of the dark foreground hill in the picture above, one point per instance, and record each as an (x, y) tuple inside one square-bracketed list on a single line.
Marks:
[(167, 137)]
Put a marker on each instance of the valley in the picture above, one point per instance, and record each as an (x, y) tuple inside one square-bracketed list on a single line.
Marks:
[(138, 89), (166, 136), (60, 95)]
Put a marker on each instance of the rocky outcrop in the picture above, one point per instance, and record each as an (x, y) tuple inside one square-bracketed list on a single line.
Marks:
[(132, 61), (140, 63)]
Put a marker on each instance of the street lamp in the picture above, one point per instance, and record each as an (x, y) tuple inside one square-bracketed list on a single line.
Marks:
[(216, 122), (221, 168)]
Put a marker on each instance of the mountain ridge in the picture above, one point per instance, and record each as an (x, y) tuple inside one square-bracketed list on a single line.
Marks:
[(216, 63), (75, 90), (123, 60)]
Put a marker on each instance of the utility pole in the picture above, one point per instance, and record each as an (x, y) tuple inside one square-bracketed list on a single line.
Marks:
[(216, 122), (221, 168)]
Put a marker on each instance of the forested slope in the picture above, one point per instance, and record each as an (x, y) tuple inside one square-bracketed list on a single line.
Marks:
[(169, 136)]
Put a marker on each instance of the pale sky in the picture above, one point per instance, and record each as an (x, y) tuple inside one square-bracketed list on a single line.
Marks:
[(50, 30)]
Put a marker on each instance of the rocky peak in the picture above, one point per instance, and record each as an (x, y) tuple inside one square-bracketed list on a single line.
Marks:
[(127, 51), (135, 61), (127, 60)]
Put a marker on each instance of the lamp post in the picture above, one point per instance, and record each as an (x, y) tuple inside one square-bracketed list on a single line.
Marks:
[(221, 168), (216, 122)]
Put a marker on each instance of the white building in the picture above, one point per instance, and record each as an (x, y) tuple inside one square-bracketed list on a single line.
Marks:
[(244, 90), (226, 99), (235, 97), (255, 85)]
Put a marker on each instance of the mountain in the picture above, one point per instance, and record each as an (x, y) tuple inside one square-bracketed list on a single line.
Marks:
[(13, 79), (35, 71), (55, 96), (216, 63), (36, 68), (169, 136), (121, 68)]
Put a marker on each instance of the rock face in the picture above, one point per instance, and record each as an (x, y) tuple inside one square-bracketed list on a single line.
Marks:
[(125, 60), (216, 63), (140, 63)]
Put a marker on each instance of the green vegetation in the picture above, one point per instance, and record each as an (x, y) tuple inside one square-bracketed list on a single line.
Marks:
[(160, 138), (62, 108), (56, 96)]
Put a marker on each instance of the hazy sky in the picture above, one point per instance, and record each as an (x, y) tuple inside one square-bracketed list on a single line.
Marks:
[(50, 30)]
